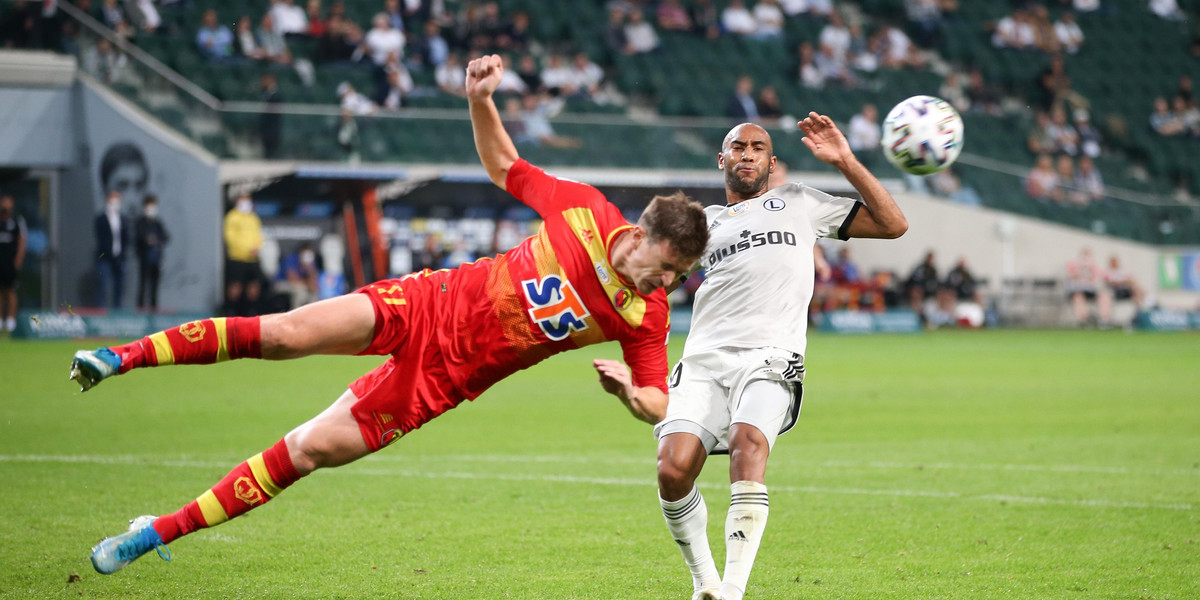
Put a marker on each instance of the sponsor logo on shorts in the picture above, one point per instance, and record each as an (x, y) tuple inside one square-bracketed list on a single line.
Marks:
[(193, 331), (246, 491), (390, 436), (555, 306)]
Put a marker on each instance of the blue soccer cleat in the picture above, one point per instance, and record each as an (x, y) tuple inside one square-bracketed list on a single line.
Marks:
[(115, 553), (90, 367)]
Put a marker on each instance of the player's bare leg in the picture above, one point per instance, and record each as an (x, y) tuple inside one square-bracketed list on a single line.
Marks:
[(681, 456), (341, 325), (330, 439), (748, 506)]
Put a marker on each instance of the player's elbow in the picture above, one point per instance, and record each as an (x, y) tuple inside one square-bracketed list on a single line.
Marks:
[(897, 229)]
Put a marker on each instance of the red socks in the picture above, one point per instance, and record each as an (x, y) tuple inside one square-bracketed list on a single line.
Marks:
[(195, 343), (248, 486)]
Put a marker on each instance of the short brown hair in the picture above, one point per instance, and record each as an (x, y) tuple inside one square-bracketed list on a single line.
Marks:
[(678, 220)]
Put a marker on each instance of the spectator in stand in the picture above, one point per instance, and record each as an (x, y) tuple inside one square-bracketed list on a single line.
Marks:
[(901, 53), (527, 70), (1163, 121), (1044, 36), (1121, 284), (1189, 116), (925, 16), (833, 68), (431, 49), (1068, 194), (491, 26), (959, 296), (706, 21), (770, 112), (1088, 180), (1015, 31), (1066, 138), (954, 91), (946, 183), (1083, 6), (288, 18), (1042, 181), (922, 284), (346, 136), (614, 33), (1167, 9), (557, 76), (104, 62), (640, 34), (1185, 89), (214, 40), (318, 26), (382, 40), (270, 39), (1089, 136), (244, 40), (150, 237), (114, 240), (860, 54), (271, 123), (737, 19), (836, 36), (769, 19), (1054, 85), (811, 75), (399, 84), (510, 81), (1070, 36), (517, 36), (863, 134), (741, 106), (353, 102), (243, 241), (535, 116), (587, 76), (672, 16), (451, 76), (391, 8), (299, 272), (343, 38), (822, 9), (113, 16), (984, 98), (1083, 286)]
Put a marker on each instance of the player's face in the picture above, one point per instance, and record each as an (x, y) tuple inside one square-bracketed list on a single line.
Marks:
[(747, 160), (654, 266)]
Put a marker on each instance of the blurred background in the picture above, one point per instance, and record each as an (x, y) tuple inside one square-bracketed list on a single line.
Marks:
[(171, 158)]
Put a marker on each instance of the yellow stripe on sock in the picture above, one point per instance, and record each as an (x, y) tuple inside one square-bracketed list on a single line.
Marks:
[(222, 349), (211, 508), (162, 348), (259, 467)]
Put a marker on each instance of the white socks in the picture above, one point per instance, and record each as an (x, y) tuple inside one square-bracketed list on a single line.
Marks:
[(744, 528), (687, 520)]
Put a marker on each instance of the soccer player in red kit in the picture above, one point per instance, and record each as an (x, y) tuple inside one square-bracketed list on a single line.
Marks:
[(586, 277)]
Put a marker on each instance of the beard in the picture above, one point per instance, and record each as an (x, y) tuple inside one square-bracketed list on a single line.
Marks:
[(742, 187)]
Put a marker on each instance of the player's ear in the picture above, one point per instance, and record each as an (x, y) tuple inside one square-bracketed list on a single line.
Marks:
[(721, 161)]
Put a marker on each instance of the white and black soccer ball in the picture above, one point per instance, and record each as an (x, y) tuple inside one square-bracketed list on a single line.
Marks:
[(922, 135)]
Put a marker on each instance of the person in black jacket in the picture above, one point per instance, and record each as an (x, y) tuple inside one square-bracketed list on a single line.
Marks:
[(113, 236), (151, 237)]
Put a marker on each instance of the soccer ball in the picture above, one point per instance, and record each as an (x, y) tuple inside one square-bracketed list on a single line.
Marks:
[(922, 135)]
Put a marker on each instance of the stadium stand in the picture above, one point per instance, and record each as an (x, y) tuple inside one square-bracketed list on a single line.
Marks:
[(666, 107)]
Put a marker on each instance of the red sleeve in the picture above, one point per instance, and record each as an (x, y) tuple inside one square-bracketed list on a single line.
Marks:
[(646, 354), (545, 193)]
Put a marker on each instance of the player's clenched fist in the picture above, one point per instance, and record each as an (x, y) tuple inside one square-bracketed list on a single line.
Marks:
[(483, 75)]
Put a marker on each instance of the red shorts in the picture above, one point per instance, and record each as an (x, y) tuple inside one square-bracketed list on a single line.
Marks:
[(413, 385)]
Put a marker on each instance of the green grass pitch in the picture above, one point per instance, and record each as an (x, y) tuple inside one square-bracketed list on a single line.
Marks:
[(983, 465)]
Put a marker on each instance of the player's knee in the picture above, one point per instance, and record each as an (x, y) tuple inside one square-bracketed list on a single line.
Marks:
[(674, 478)]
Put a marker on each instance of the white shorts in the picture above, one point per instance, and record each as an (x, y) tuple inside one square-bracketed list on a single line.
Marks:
[(712, 390)]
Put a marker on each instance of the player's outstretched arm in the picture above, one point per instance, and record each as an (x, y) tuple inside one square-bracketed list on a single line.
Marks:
[(646, 403), (883, 218), (495, 147)]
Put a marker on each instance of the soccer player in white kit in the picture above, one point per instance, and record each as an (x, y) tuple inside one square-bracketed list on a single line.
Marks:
[(738, 384)]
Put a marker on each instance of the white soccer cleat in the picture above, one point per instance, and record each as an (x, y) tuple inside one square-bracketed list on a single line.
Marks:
[(90, 367), (115, 553), (707, 594)]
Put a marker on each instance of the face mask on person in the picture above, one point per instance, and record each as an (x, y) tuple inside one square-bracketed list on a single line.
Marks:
[(151, 211), (308, 257), (245, 206)]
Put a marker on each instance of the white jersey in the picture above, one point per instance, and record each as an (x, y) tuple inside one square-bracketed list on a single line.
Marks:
[(759, 262)]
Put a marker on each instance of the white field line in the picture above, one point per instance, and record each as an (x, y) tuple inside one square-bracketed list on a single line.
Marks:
[(611, 481)]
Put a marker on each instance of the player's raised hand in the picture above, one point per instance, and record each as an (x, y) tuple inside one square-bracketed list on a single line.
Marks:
[(824, 139), (483, 76)]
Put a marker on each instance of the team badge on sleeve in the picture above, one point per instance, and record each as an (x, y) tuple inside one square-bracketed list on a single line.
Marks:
[(556, 307)]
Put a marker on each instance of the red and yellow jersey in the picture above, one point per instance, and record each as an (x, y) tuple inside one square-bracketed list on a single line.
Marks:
[(555, 291)]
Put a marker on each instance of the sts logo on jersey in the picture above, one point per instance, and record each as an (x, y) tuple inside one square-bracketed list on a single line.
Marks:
[(557, 309)]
